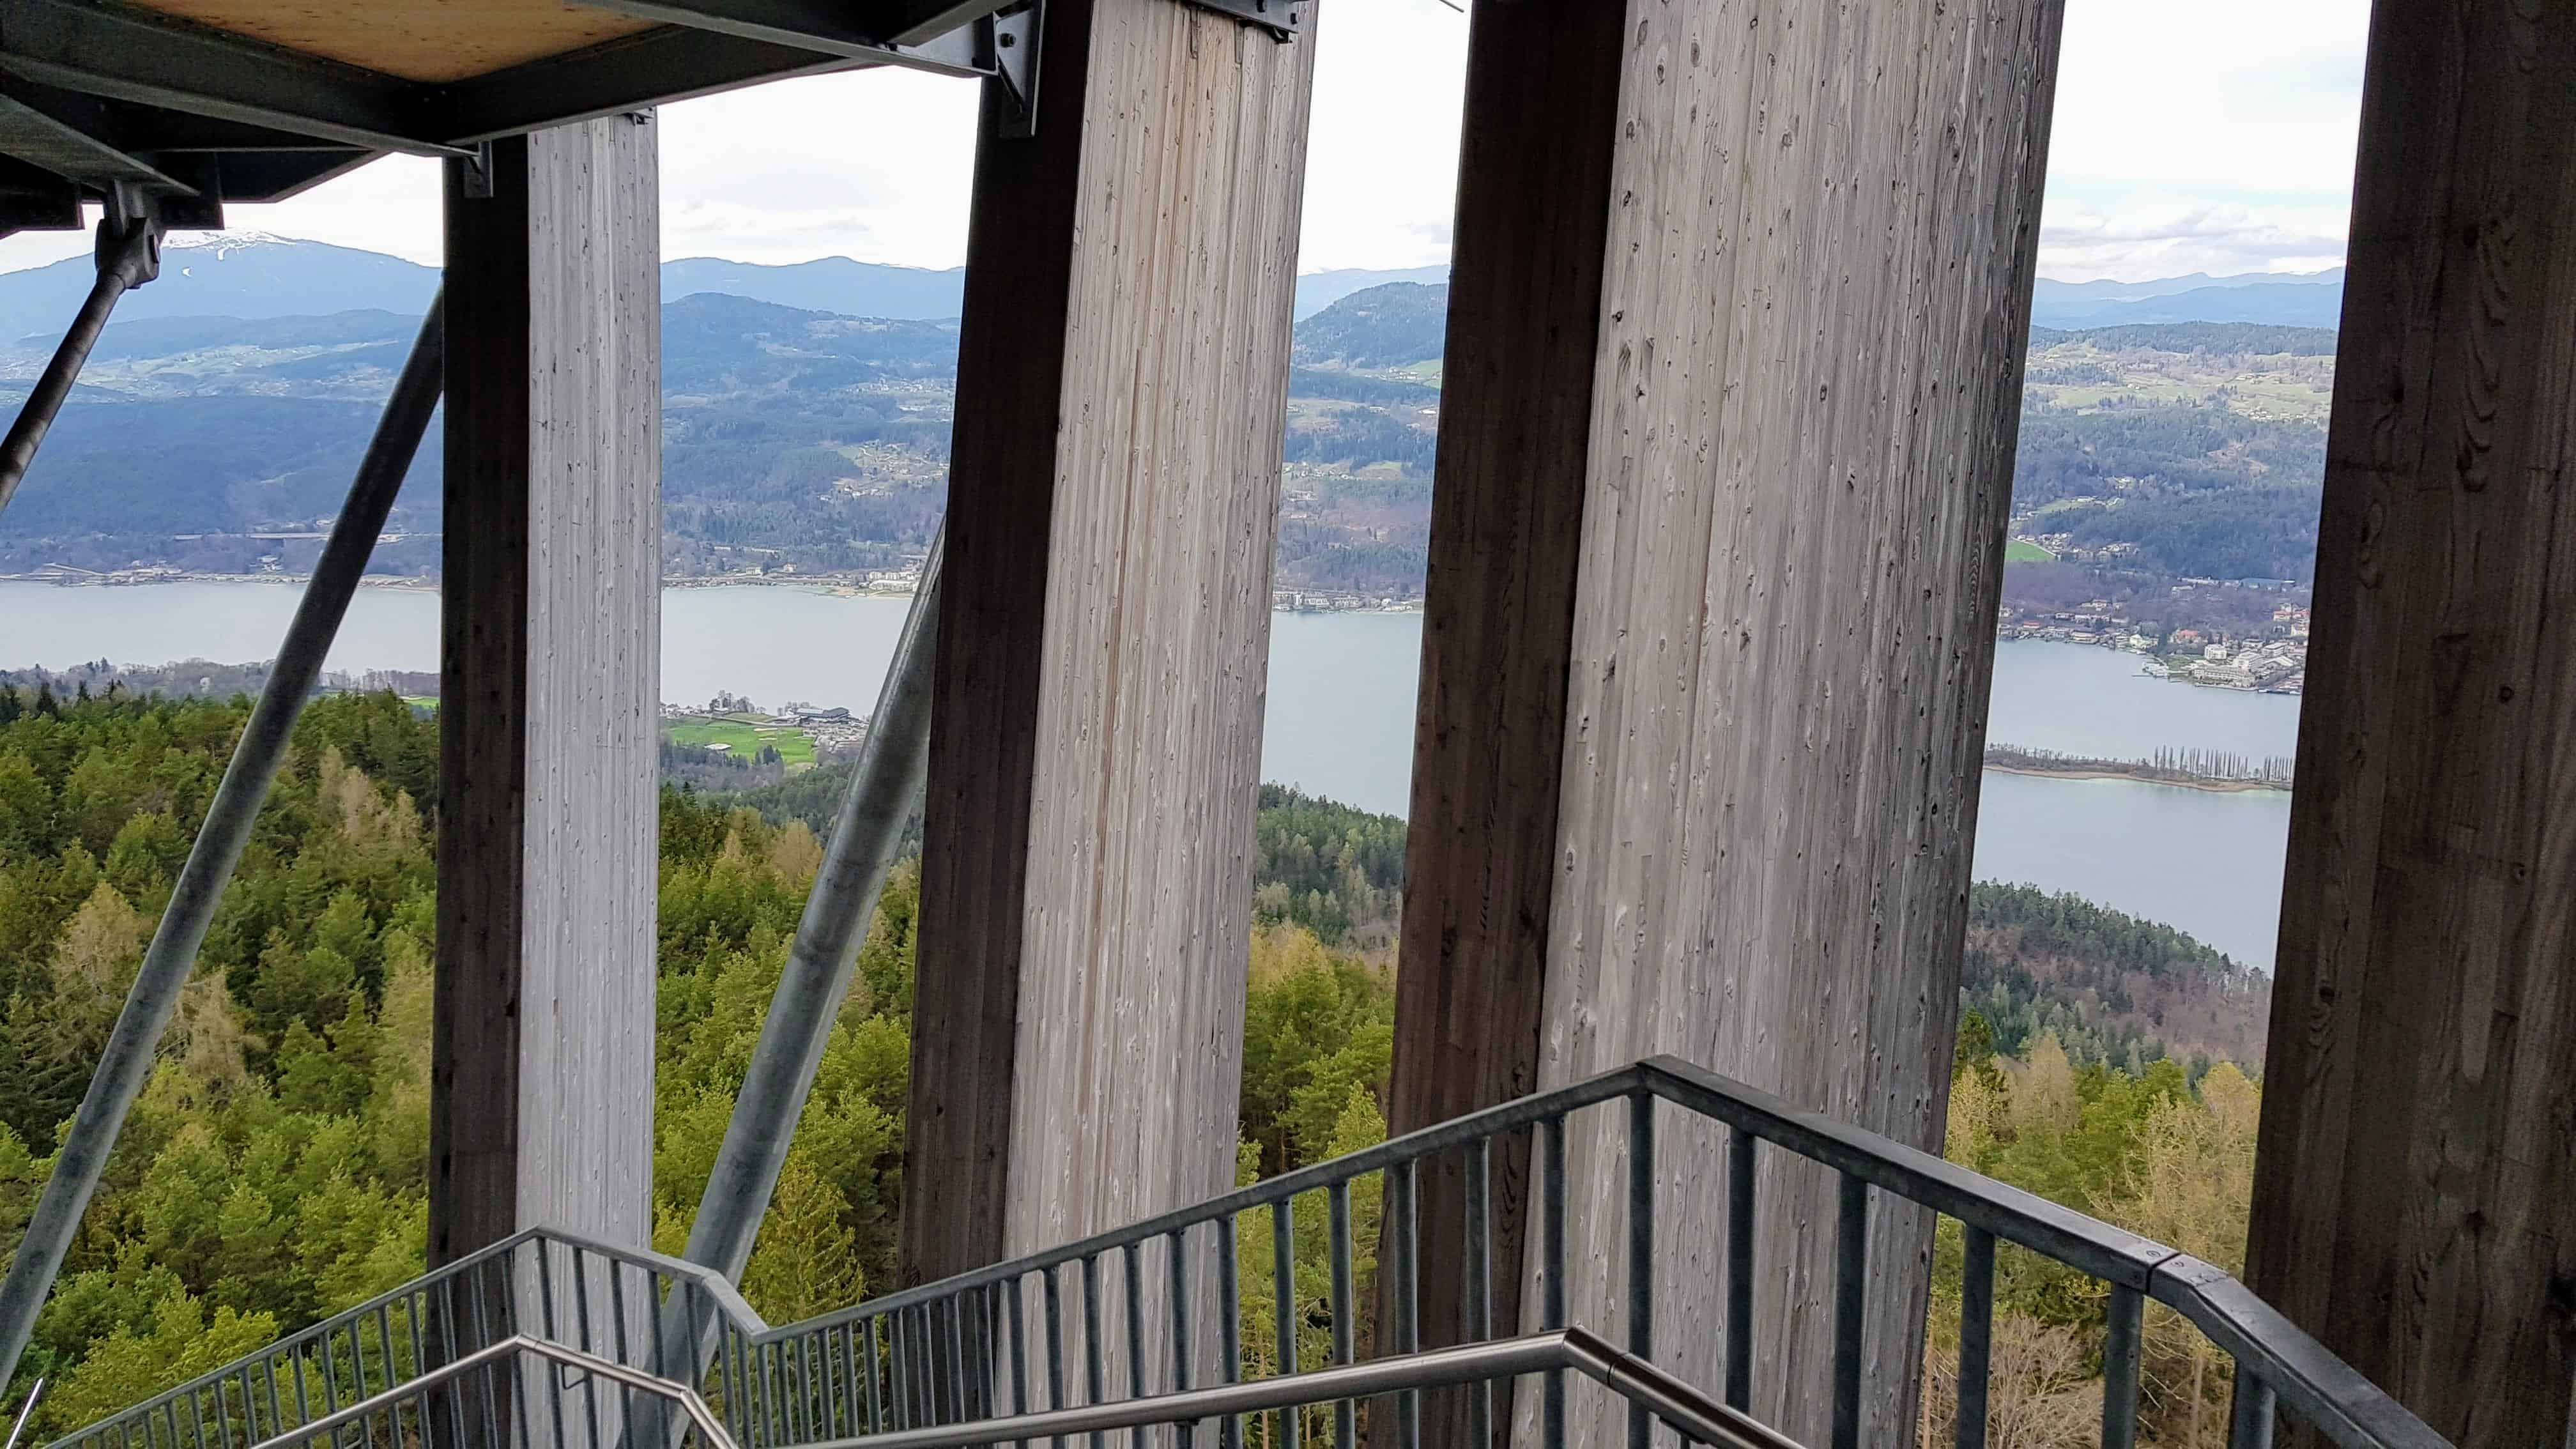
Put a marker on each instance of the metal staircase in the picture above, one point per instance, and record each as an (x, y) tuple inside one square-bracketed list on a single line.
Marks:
[(551, 1339)]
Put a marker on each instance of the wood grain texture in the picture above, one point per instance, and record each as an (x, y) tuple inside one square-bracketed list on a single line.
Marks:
[(541, 1109), (2415, 1189), (1801, 407), (1525, 275), (1087, 888), (422, 40)]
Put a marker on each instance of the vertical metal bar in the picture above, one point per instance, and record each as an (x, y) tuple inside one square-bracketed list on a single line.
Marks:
[(128, 1057), (1283, 1287), (1552, 1273), (1132, 1262), (303, 1398), (2120, 1356), (2250, 1422), (1976, 1337), (1054, 1337), (899, 1369), (1018, 1311), (1641, 1250), (1480, 1282), (1402, 1230), (1345, 1328), (1098, 1383), (1739, 1270), (1229, 1348), (1851, 1307), (546, 1315), (581, 1325), (956, 1360), (1176, 1245), (876, 1403)]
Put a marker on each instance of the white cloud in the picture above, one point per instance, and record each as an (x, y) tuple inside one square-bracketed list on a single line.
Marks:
[(2191, 135)]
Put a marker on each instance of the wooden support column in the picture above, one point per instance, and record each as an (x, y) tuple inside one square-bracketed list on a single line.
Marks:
[(2415, 1188), (1739, 305), (1121, 398), (541, 1107)]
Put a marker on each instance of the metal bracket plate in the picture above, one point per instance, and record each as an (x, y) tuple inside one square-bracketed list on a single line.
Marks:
[(1282, 18), (1009, 44)]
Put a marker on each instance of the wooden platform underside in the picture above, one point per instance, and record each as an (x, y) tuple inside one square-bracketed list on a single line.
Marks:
[(420, 40)]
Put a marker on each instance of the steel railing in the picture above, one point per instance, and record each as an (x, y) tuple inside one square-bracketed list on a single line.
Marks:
[(1157, 1309)]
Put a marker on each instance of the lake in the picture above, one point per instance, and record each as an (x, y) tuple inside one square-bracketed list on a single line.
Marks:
[(1340, 722)]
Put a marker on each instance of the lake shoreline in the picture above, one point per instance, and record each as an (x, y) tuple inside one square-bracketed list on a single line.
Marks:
[(2142, 776)]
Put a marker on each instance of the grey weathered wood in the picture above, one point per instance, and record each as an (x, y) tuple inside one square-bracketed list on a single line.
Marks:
[(1122, 391), (2415, 1189), (542, 1093), (1796, 464)]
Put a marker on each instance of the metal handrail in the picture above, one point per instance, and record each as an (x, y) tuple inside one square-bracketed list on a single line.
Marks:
[(920, 1361), (412, 1298), (513, 1346), (1701, 1420)]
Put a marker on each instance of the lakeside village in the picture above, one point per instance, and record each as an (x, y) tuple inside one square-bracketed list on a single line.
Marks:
[(2270, 658)]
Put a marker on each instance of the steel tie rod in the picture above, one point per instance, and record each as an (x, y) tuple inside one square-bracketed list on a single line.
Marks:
[(127, 1062), (123, 264)]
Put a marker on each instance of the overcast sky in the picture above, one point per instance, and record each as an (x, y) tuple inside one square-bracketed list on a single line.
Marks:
[(2192, 135)]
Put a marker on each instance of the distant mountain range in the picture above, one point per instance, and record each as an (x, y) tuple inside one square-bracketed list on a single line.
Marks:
[(807, 414), (256, 275)]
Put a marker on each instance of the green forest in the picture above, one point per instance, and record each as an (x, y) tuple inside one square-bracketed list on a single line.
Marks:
[(274, 1170)]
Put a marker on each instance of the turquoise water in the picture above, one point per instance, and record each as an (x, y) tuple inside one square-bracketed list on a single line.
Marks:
[(1340, 720)]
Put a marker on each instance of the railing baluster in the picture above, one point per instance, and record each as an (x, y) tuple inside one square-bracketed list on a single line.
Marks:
[(2250, 1422), (1096, 1369), (1851, 1308), (1401, 1229), (1739, 1269), (1018, 1311), (1551, 1142), (1976, 1337), (958, 1406), (899, 1368), (546, 1316), (303, 1400), (581, 1322), (1051, 1282), (876, 1402), (1229, 1430), (1131, 1262), (1480, 1282), (1345, 1330), (2120, 1355), (1177, 1247), (1283, 1287), (1641, 1249)]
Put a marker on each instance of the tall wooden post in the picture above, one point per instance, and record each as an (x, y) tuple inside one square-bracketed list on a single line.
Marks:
[(2415, 1189), (541, 1109), (1739, 305), (1121, 397)]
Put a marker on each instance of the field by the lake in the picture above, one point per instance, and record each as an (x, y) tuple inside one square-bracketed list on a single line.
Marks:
[(743, 737)]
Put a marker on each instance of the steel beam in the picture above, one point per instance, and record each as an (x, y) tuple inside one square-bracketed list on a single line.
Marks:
[(134, 55), (633, 73), (809, 25), (914, 22), (36, 137), (127, 1061)]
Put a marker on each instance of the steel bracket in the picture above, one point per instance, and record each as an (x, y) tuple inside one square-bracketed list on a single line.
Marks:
[(129, 233), (1007, 45), (1282, 18)]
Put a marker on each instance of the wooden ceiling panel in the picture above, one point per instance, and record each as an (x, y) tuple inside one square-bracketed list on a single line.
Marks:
[(422, 40)]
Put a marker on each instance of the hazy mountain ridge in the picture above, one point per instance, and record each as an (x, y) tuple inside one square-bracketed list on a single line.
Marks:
[(815, 439)]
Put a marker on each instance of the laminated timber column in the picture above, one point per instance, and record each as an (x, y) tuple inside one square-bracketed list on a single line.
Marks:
[(1738, 310), (1113, 493), (541, 1105), (2415, 1184)]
